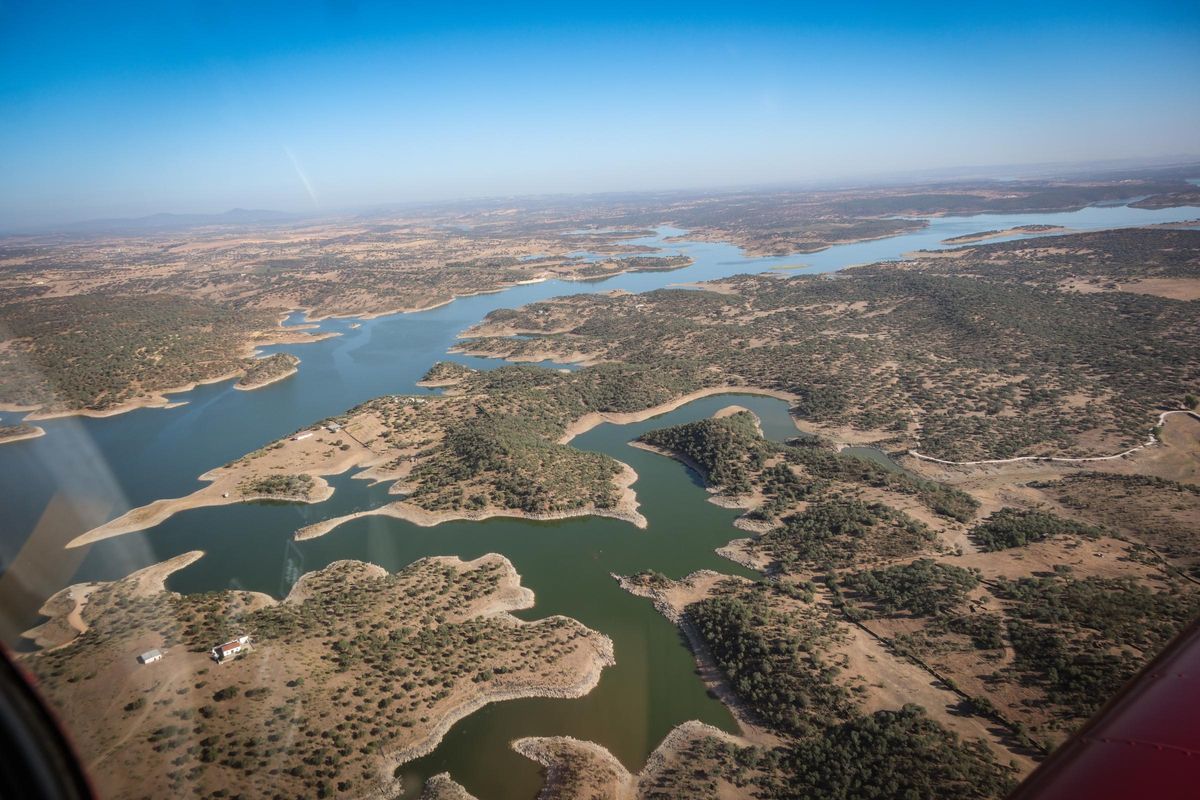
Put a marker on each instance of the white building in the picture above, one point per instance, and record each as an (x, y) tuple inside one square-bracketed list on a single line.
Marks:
[(150, 656), (300, 436), (224, 652)]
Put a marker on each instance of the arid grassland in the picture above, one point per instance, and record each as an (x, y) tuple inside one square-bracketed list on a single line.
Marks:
[(490, 445), (970, 238), (955, 626), (351, 675), (781, 223), (1150, 261)]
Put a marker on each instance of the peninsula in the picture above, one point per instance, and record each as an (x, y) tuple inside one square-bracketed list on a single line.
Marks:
[(354, 673)]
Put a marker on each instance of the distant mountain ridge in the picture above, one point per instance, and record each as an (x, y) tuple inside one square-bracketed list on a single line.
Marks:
[(164, 221)]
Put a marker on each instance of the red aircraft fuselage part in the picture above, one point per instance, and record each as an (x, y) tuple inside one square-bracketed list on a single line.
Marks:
[(1144, 743)]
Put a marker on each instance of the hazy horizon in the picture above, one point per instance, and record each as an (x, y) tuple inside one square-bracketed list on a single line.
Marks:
[(199, 108)]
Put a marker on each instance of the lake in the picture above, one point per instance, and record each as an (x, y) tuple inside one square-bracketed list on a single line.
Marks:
[(87, 471)]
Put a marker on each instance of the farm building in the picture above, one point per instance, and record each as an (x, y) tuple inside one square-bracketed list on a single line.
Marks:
[(150, 656), (223, 652)]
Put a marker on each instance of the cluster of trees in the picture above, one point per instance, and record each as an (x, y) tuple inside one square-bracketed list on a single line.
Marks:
[(1121, 610), (886, 755), (499, 461), (1080, 640), (923, 587), (941, 499), (497, 447), (298, 486), (725, 450), (446, 371), (732, 457), (498, 436), (1113, 255), (840, 532), (1076, 676), (985, 629), (890, 754), (771, 660), (1012, 527), (365, 663), (782, 488)]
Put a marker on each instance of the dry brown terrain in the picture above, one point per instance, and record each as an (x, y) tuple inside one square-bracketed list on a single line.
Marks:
[(104, 318), (265, 371), (351, 675), (1043, 630), (968, 617), (443, 787)]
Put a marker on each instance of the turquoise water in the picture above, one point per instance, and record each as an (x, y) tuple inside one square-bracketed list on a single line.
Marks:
[(87, 471)]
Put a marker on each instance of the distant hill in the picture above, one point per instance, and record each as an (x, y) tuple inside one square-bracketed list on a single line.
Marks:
[(170, 222)]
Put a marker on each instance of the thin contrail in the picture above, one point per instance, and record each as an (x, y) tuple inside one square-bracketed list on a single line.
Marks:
[(300, 172)]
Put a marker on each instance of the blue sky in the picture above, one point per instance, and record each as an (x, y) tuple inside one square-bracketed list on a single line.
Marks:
[(113, 109)]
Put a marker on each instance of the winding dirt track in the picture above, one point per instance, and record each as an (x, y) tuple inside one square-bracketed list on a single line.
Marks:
[(1149, 442)]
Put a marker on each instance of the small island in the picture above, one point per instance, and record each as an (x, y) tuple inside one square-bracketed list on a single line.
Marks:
[(608, 268), (969, 238), (264, 371), (19, 432)]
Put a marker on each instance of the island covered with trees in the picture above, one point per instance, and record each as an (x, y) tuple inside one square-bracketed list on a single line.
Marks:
[(20, 432), (263, 371)]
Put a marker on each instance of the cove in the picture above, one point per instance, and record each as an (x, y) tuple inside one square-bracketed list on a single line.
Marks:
[(567, 563)]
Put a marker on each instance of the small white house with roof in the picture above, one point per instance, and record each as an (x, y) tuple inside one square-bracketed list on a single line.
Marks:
[(150, 656), (224, 652)]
